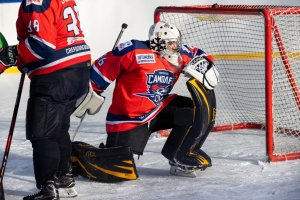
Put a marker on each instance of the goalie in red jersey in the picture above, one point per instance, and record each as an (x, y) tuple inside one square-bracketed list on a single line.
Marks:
[(53, 53), (145, 73)]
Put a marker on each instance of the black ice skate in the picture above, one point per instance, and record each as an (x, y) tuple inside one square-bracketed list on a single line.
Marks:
[(47, 192), (202, 157), (188, 164), (65, 184), (177, 169)]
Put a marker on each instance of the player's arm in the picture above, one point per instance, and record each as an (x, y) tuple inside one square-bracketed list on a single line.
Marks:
[(109, 66), (36, 31), (103, 72)]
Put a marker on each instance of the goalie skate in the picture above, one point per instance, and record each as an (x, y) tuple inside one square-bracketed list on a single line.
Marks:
[(177, 169)]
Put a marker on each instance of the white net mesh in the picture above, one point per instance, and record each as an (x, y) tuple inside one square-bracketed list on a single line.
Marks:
[(286, 77), (237, 43)]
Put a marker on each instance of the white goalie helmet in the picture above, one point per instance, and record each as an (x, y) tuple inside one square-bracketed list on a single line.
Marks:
[(165, 39)]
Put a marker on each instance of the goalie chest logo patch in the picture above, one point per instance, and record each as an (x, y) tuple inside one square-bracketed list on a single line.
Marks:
[(159, 85), (145, 58)]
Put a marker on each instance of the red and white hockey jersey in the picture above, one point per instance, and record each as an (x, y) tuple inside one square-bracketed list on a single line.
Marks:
[(50, 37), (144, 81)]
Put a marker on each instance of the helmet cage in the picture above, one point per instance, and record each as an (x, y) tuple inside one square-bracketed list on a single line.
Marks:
[(160, 34)]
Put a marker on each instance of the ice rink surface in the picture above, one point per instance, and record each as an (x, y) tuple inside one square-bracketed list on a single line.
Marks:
[(239, 171)]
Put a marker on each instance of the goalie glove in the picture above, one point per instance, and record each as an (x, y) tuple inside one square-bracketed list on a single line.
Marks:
[(203, 70), (89, 103), (8, 57)]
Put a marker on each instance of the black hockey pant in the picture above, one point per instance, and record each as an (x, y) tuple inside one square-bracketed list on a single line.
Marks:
[(51, 103), (137, 138), (191, 120)]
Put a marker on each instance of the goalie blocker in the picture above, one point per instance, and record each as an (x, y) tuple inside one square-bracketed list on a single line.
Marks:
[(107, 165), (89, 103)]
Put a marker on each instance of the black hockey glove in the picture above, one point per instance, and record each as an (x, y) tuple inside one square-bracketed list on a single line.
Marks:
[(8, 57)]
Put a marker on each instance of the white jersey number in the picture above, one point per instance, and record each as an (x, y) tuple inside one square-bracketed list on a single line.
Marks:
[(69, 12), (33, 26)]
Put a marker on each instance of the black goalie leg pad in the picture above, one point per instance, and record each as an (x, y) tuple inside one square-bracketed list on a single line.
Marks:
[(205, 102), (204, 116), (174, 142), (107, 165), (182, 142)]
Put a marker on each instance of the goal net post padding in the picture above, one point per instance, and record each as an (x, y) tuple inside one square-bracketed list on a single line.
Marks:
[(257, 52)]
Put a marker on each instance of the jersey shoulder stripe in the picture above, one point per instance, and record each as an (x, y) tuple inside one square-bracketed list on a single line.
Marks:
[(38, 6), (130, 46), (190, 52)]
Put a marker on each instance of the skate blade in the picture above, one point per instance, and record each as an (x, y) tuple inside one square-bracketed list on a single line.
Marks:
[(67, 192), (184, 173)]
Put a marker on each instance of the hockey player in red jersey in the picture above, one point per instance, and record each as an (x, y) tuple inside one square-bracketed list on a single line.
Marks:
[(53, 52), (145, 73)]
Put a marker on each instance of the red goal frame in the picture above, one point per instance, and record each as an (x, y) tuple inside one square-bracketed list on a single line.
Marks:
[(271, 30)]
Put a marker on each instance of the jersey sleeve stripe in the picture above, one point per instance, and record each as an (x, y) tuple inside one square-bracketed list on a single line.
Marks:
[(43, 41), (40, 48), (99, 80), (100, 74), (31, 51)]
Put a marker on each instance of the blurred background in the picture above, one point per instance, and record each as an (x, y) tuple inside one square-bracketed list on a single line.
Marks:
[(101, 20)]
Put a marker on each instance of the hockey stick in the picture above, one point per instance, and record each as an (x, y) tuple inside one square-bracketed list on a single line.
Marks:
[(124, 26), (10, 134)]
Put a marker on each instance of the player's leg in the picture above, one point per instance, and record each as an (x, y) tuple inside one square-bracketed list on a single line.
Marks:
[(46, 153), (63, 177), (178, 115), (198, 144), (204, 118), (49, 108), (180, 145), (76, 80), (136, 139)]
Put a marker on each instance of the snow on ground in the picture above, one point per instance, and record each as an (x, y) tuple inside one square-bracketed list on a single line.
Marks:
[(239, 171)]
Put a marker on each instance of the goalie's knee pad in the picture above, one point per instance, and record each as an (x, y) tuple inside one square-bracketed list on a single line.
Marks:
[(108, 165)]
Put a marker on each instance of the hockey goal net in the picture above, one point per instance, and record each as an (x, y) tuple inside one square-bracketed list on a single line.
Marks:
[(257, 51)]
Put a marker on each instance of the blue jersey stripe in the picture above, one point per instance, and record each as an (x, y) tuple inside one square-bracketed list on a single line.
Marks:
[(35, 8), (40, 48), (60, 54), (98, 80), (136, 44)]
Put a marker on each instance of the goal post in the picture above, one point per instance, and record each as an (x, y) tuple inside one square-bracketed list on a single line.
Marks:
[(257, 52)]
